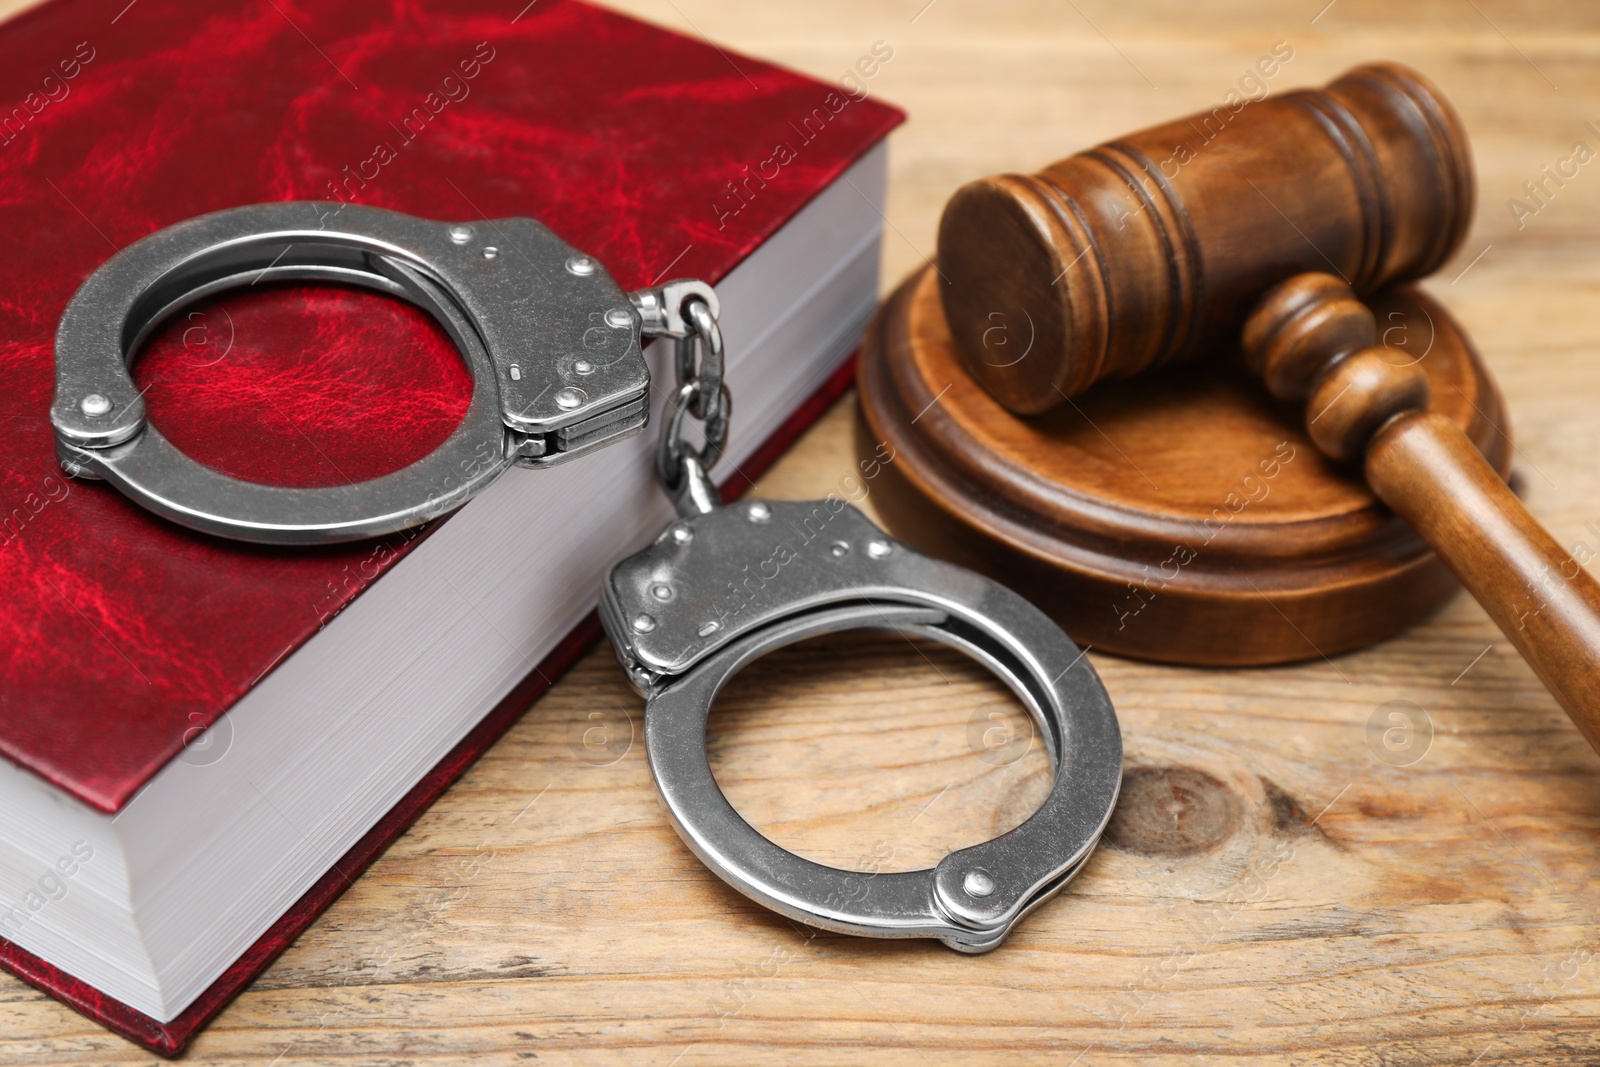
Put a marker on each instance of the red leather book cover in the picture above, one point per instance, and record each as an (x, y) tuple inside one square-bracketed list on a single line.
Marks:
[(122, 634)]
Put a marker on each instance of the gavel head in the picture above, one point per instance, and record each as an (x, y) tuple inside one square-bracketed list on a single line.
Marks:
[(1151, 248)]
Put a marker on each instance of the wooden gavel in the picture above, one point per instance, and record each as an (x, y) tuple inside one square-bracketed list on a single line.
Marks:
[(1311, 339), (1165, 243)]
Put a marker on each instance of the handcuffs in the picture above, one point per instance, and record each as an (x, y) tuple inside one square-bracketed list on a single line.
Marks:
[(554, 348)]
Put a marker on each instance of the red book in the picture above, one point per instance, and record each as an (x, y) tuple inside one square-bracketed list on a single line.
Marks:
[(175, 706)]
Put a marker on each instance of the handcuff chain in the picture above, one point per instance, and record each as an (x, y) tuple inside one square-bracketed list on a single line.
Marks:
[(686, 310)]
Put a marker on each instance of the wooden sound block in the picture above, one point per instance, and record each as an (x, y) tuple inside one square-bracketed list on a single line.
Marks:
[(1182, 517)]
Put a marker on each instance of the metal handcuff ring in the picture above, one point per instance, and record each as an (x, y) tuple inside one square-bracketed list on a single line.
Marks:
[(552, 343), (719, 589)]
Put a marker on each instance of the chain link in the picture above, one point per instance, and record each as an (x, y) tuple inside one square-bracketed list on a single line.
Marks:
[(706, 373), (702, 394), (686, 311)]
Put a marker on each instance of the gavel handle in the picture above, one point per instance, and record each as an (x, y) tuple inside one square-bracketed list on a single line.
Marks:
[(1422, 465)]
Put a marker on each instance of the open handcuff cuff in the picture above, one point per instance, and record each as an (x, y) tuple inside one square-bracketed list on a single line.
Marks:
[(554, 349)]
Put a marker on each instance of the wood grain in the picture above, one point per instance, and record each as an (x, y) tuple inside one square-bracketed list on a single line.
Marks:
[(1286, 897), (1183, 516)]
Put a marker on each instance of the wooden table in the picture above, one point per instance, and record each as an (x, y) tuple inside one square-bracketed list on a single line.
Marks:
[(1274, 891)]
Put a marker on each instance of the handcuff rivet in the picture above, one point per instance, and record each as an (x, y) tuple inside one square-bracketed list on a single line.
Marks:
[(583, 366), (490, 251), (839, 549), (582, 266), (661, 591), (95, 404), (644, 623), (619, 318), (460, 234), (759, 512), (977, 884), (879, 549), (682, 535), (567, 399)]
